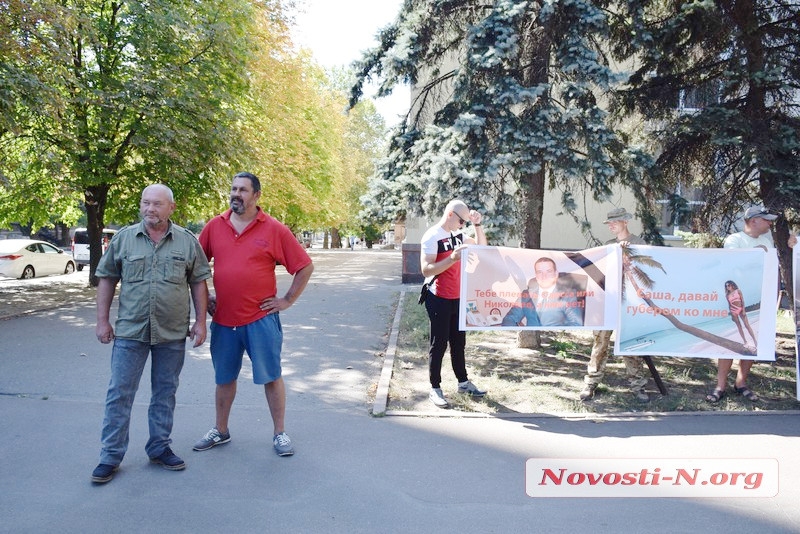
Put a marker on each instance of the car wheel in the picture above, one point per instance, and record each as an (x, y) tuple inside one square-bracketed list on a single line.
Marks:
[(70, 268), (28, 272), (80, 267)]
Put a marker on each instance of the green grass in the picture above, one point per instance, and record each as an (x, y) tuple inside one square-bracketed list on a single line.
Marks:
[(548, 380), (785, 323)]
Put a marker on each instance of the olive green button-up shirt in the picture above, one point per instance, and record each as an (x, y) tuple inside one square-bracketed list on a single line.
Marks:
[(154, 296)]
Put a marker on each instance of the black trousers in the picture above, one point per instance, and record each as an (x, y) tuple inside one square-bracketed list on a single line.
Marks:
[(443, 315)]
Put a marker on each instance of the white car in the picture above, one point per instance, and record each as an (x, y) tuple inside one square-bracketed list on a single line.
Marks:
[(28, 258), (80, 245)]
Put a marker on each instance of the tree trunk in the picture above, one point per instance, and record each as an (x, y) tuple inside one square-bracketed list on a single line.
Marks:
[(529, 339), (531, 202), (758, 116), (95, 198), (535, 56), (784, 256)]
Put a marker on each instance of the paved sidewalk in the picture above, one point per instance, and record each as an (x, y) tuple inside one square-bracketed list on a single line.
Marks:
[(352, 472)]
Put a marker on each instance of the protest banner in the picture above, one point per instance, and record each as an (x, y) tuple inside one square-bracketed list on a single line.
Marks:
[(700, 303), (527, 289)]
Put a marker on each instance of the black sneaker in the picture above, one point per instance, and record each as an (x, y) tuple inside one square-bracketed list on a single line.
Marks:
[(104, 473), (169, 460)]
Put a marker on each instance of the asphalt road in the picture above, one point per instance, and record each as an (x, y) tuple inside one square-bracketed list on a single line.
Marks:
[(352, 472), (19, 297)]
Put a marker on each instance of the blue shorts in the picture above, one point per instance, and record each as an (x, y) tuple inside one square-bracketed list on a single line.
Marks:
[(261, 339)]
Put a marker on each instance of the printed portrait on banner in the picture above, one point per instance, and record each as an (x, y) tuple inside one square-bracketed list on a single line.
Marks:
[(512, 288)]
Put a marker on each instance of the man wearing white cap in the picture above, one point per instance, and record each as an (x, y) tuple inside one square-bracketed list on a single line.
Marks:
[(756, 233), (617, 222)]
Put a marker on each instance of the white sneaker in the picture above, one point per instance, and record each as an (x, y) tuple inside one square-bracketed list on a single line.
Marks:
[(282, 444), (212, 438), (437, 397)]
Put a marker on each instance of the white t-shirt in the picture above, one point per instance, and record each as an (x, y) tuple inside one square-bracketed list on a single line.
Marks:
[(439, 241), (742, 240)]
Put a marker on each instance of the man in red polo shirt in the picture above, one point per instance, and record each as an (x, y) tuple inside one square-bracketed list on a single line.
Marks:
[(246, 244)]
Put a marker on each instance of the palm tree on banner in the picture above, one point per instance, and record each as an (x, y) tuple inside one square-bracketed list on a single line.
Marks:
[(638, 278)]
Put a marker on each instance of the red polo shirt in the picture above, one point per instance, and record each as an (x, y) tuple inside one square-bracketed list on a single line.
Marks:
[(244, 264)]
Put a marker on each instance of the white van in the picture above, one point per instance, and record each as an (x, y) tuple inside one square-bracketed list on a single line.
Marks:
[(80, 245)]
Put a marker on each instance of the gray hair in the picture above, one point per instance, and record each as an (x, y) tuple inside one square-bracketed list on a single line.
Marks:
[(163, 188)]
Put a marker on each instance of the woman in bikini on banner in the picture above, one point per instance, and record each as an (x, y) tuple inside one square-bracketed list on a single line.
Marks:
[(737, 311)]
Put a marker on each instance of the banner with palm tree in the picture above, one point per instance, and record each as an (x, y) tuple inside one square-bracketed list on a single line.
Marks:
[(704, 303)]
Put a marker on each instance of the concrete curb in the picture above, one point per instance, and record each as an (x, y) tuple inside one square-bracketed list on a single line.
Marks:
[(382, 393), (580, 416)]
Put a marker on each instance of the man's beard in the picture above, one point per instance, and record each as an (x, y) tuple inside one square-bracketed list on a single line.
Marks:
[(151, 219), (237, 206)]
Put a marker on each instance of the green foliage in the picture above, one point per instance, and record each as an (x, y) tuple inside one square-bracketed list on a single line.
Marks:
[(509, 102), (111, 97), (100, 99), (364, 142), (515, 95), (562, 347), (313, 159), (700, 240), (371, 232), (718, 83)]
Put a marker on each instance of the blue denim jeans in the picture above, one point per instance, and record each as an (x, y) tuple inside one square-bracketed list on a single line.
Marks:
[(128, 358)]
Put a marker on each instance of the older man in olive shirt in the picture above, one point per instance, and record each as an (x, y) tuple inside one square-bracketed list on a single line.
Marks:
[(159, 264)]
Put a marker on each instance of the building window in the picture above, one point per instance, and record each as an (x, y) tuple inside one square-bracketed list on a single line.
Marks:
[(677, 211), (693, 99)]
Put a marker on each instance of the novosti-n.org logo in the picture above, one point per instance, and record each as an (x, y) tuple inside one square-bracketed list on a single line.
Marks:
[(651, 477)]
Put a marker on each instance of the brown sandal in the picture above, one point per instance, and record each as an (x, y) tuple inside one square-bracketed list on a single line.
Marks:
[(747, 393), (715, 396)]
